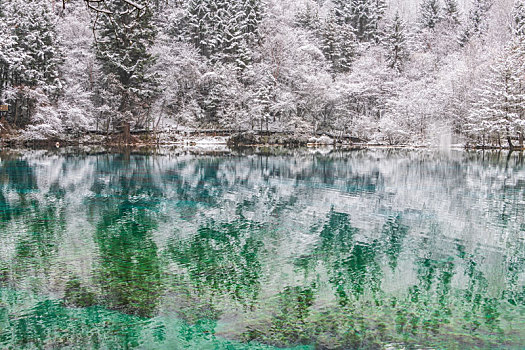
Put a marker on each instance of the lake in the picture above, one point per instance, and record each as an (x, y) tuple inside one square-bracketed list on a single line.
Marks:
[(299, 249)]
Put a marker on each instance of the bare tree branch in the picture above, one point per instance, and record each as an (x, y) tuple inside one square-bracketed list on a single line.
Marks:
[(134, 4), (129, 2), (98, 9)]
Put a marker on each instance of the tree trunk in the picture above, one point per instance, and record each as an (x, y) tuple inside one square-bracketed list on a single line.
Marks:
[(108, 123), (126, 135), (16, 113), (5, 129), (509, 139)]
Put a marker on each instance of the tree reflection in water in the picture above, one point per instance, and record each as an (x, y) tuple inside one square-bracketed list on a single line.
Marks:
[(340, 250)]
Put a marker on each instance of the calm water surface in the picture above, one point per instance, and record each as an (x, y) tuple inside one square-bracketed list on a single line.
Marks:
[(362, 249)]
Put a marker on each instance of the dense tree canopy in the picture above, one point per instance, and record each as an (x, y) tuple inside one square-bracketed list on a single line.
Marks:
[(387, 72)]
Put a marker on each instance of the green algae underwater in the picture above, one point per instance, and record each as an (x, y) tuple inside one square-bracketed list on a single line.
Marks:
[(369, 249)]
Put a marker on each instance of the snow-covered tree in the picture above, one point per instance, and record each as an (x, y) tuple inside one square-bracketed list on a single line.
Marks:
[(235, 35), (310, 66), (124, 37), (396, 44), (30, 59), (251, 20), (8, 53), (429, 13), (224, 30), (343, 11), (308, 17), (451, 11), (362, 19), (476, 23), (347, 49), (379, 8), (198, 25), (518, 14), (364, 16), (338, 44), (33, 28), (498, 110), (79, 72)]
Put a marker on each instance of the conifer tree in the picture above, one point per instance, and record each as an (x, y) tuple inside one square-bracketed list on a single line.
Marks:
[(338, 44), (253, 15), (264, 97), (308, 18), (396, 44), (476, 24), (347, 48), (34, 34), (30, 57), (198, 16), (123, 40), (498, 110), (223, 23), (225, 30), (451, 11), (364, 16), (429, 13), (7, 53), (518, 14), (342, 11), (378, 12), (362, 19), (330, 45), (234, 47), (518, 57), (478, 14)]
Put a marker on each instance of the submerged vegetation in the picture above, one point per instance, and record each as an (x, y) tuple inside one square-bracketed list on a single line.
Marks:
[(361, 249)]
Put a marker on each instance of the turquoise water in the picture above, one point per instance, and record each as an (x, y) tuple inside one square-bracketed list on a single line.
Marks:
[(257, 250)]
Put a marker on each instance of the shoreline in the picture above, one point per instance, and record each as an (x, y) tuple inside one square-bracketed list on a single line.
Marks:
[(182, 140)]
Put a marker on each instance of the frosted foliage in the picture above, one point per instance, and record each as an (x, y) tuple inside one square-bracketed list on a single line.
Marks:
[(79, 69), (375, 71), (29, 64)]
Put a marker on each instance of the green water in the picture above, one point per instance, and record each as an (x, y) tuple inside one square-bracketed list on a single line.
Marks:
[(174, 250)]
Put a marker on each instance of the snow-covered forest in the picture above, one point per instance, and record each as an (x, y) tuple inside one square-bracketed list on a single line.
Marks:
[(382, 71)]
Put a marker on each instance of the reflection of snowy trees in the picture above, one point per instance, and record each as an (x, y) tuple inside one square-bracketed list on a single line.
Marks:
[(434, 238)]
